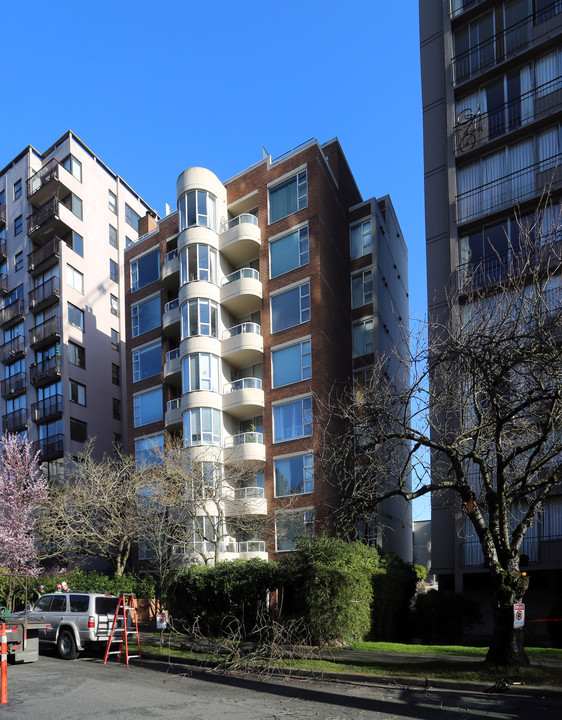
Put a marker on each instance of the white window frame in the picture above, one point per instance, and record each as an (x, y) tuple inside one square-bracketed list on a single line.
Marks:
[(366, 247), (305, 372), (306, 417), (364, 282), (136, 359), (135, 269), (75, 279), (307, 473), (303, 301), (80, 313), (301, 176), (303, 252), (135, 326), (138, 420), (367, 350), (308, 521)]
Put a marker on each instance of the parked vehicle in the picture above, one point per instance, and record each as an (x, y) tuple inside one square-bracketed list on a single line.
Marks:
[(75, 619), (22, 634)]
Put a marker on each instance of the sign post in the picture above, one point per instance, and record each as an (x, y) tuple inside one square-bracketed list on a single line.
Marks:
[(518, 616)]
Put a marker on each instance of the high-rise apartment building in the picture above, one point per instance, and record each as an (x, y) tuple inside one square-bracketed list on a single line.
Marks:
[(492, 103), (245, 308), (65, 219)]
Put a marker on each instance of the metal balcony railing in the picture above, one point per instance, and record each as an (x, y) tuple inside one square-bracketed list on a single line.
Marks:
[(40, 333), (47, 212), (249, 493), (13, 385), (243, 384), (49, 289), (15, 420), (459, 6), (3, 283), (11, 312), (244, 218), (3, 246), (50, 171), (2, 214), (247, 327), (10, 350), (244, 438), (49, 368), (47, 251), (51, 446), (47, 409), (243, 273)]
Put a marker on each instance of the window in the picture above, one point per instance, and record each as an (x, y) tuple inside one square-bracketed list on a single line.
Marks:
[(202, 426), (145, 316), (18, 261), (115, 374), (75, 242), (75, 316), (292, 419), (114, 305), (149, 451), (291, 525), (75, 279), (362, 289), (77, 392), (290, 307), (17, 189), (197, 207), (199, 317), (294, 475), (148, 407), (18, 225), (112, 201), (113, 271), (147, 361), (115, 339), (200, 372), (74, 204), (288, 197), (73, 166), (360, 240), (131, 217), (289, 252), (76, 355), (291, 364), (113, 237), (145, 270), (78, 430), (198, 262), (364, 337), (116, 409)]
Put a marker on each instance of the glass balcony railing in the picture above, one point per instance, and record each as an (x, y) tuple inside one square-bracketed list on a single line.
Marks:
[(244, 438), (173, 404), (244, 218), (172, 355), (249, 546), (243, 273), (243, 384), (170, 255), (247, 327), (172, 305), (249, 493)]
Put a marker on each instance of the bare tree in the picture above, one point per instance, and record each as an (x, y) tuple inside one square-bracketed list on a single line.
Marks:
[(485, 402)]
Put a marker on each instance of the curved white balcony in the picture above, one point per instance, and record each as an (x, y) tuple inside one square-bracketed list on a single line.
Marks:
[(240, 239), (241, 292), (171, 318), (247, 501), (245, 447), (172, 367), (248, 549), (243, 398), (201, 398), (173, 416), (242, 345), (171, 269), (199, 289)]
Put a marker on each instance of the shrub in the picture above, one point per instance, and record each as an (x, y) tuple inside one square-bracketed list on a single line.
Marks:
[(443, 617), (394, 586)]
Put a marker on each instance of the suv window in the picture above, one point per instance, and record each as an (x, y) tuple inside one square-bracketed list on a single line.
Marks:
[(79, 603), (106, 605), (43, 603), (59, 603)]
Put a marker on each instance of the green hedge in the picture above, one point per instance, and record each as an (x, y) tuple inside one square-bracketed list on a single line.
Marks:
[(394, 586), (442, 618)]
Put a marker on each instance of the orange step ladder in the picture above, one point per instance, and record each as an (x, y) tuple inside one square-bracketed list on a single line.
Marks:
[(127, 610)]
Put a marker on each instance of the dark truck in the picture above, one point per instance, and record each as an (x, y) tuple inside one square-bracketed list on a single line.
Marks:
[(22, 634)]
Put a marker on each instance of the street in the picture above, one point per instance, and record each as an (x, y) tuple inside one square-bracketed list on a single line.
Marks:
[(86, 688)]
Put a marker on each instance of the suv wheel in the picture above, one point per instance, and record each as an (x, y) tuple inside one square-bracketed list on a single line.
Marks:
[(66, 645)]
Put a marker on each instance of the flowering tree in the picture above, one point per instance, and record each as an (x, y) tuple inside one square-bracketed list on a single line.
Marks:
[(22, 490)]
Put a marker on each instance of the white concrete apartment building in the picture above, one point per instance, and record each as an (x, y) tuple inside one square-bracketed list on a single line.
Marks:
[(65, 219)]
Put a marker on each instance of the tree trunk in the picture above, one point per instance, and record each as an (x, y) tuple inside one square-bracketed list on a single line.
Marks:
[(507, 648)]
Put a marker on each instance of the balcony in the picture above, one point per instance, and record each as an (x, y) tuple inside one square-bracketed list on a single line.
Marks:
[(240, 239), (171, 318), (44, 295), (14, 385), (507, 44), (3, 284), (509, 190), (2, 216), (172, 367), (46, 333), (15, 421), (12, 314), (3, 249), (47, 409), (248, 549), (247, 501), (47, 182), (44, 257), (241, 292), (45, 372), (245, 448), (51, 447), (242, 345), (475, 129), (243, 398), (52, 218), (173, 417), (460, 6), (171, 270), (13, 349)]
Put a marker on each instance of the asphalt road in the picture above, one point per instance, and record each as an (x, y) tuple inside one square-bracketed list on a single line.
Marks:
[(86, 688)]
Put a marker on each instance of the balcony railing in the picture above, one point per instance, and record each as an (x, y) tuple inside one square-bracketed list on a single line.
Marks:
[(51, 328), (49, 290), (3, 247), (3, 283), (510, 189), (173, 404), (243, 273), (47, 409), (172, 354), (459, 6), (503, 45), (244, 438), (42, 177), (2, 214), (251, 546), (243, 384), (170, 255), (51, 446), (45, 370), (12, 349), (48, 251), (249, 493), (244, 218), (172, 305), (15, 420), (14, 385), (47, 212), (13, 312), (247, 327)]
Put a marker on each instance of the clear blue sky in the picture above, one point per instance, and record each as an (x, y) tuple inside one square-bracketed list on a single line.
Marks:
[(156, 87)]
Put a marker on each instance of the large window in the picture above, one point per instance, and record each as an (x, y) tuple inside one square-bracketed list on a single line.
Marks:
[(75, 279), (360, 240), (75, 316), (148, 407), (76, 354), (145, 316), (131, 217), (202, 426), (198, 262), (292, 419), (75, 242), (113, 237), (294, 475), (147, 361), (78, 430), (289, 252), (73, 166), (288, 197), (291, 525), (290, 307), (200, 372), (362, 289), (364, 337), (149, 451), (291, 364), (74, 204), (199, 317), (145, 270), (197, 207), (77, 392)]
